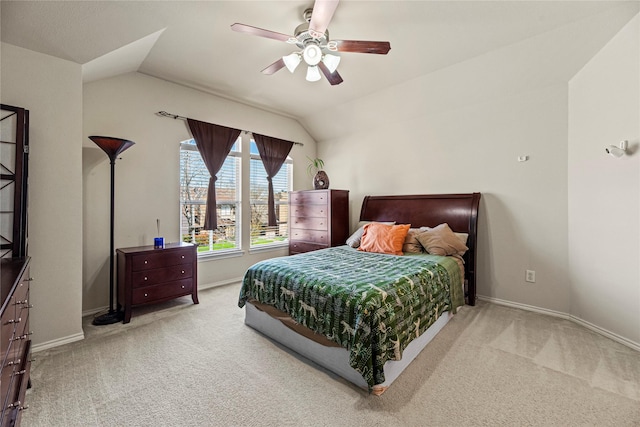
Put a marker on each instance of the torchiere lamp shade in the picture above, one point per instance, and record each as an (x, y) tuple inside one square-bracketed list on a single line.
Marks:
[(110, 145)]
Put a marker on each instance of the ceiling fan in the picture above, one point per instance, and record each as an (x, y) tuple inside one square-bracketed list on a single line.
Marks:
[(317, 50)]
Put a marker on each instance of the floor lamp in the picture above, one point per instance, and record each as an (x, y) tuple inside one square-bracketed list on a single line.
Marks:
[(113, 147)]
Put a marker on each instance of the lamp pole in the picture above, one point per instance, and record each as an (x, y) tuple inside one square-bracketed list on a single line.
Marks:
[(112, 146)]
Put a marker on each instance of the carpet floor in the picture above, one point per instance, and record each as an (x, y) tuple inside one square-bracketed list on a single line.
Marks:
[(179, 364)]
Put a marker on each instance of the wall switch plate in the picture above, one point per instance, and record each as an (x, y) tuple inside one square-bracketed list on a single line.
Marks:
[(530, 276)]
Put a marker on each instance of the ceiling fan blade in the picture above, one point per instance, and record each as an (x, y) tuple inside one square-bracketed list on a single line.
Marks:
[(360, 46), (333, 78), (255, 31), (274, 67), (321, 17)]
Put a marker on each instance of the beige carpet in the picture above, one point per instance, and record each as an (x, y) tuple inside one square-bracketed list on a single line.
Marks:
[(179, 364)]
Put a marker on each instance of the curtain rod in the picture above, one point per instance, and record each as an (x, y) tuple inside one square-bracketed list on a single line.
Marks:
[(175, 116)]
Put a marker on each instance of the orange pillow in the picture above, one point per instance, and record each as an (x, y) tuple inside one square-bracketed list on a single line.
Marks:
[(384, 239)]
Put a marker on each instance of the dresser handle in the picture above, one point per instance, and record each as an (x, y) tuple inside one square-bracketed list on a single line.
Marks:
[(18, 320), (22, 302), (182, 286), (182, 271), (182, 257), (145, 278), (146, 262), (23, 336), (14, 405), (22, 408), (13, 362), (146, 295)]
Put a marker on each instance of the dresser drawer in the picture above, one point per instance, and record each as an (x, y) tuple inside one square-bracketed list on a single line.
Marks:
[(298, 247), (9, 366), (159, 275), (161, 258), (310, 223), (314, 236), (162, 291), (309, 197), (309, 211), (8, 329)]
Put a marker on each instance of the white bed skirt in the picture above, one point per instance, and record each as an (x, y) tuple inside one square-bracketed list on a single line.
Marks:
[(336, 359)]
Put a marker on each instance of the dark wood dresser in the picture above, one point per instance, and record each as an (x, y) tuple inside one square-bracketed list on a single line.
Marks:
[(16, 342), (318, 219), (147, 275)]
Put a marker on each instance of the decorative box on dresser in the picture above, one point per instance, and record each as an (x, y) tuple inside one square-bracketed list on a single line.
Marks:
[(16, 342), (148, 275), (318, 219)]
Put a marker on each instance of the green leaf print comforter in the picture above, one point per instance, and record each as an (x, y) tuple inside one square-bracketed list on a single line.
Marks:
[(371, 304)]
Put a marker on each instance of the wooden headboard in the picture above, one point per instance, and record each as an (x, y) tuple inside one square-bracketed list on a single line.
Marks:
[(460, 211)]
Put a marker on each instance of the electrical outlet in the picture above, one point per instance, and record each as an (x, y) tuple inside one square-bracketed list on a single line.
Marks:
[(530, 276)]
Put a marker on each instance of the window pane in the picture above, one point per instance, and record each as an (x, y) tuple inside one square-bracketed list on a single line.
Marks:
[(261, 233), (194, 182)]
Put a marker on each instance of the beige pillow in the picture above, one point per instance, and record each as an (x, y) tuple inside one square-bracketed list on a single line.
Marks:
[(441, 240), (354, 239), (411, 244), (462, 236)]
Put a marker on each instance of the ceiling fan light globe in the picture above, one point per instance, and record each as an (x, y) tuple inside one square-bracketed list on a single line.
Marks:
[(312, 54), (291, 61), (313, 74), (331, 61)]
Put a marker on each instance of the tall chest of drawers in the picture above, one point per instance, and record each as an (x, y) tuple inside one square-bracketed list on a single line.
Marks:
[(318, 219), (16, 343), (147, 275)]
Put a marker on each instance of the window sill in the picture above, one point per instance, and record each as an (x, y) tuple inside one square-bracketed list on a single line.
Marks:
[(210, 256), (268, 248)]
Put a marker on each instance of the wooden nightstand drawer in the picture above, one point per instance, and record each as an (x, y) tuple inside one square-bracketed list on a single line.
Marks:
[(161, 292), (161, 258), (159, 275), (313, 236), (309, 197)]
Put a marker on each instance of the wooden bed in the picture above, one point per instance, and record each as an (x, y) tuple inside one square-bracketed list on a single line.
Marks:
[(459, 211)]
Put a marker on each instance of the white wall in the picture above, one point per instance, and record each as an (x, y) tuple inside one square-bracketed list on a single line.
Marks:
[(147, 174), (604, 192), (423, 138), (462, 128), (51, 89)]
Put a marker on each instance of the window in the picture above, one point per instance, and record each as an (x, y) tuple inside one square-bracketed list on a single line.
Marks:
[(194, 182), (261, 233)]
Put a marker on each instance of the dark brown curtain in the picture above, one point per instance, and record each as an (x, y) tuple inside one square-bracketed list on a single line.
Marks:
[(214, 143), (273, 152)]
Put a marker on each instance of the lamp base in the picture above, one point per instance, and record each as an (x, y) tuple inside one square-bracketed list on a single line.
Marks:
[(108, 318)]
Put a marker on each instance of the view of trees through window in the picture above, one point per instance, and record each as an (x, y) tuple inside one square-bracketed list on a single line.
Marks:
[(194, 182)]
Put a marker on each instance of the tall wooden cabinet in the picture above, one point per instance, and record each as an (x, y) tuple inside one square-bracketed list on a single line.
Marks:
[(317, 219), (15, 356), (15, 337)]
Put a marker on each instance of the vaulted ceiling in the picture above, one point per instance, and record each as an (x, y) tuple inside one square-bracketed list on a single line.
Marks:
[(191, 43)]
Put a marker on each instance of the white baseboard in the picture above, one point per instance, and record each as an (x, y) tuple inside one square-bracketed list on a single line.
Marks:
[(567, 316), (57, 342)]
